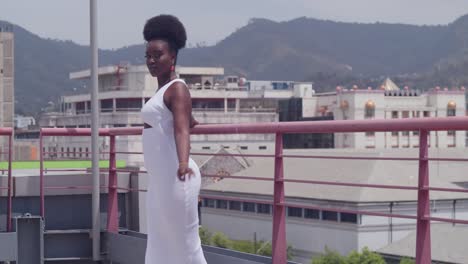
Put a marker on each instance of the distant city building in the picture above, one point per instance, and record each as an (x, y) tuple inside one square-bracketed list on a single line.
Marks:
[(123, 89), (7, 74), (389, 102), (23, 122)]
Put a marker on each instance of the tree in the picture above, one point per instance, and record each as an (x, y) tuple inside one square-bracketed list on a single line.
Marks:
[(205, 236), (365, 257), (221, 240)]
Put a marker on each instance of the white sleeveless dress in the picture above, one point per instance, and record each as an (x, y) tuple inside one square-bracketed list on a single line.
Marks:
[(172, 215)]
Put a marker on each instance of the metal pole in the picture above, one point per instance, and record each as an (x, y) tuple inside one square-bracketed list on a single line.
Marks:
[(112, 205), (423, 229), (95, 132), (279, 221), (10, 190), (41, 174)]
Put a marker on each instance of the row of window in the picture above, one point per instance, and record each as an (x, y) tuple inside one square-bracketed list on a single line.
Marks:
[(52, 152), (292, 212)]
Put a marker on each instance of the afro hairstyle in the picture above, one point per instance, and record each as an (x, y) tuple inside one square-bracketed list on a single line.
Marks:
[(166, 27)]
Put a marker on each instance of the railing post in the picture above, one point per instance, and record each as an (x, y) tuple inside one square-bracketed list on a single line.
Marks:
[(423, 231), (10, 202), (279, 220), (41, 174), (112, 205)]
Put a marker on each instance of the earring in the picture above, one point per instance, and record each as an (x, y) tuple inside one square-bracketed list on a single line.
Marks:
[(172, 68)]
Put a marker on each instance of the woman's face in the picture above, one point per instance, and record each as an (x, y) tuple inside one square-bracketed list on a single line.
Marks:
[(159, 58)]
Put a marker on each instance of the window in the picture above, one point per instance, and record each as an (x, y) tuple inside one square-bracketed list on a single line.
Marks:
[(263, 208), (394, 133), (330, 216), (243, 147), (405, 133), (107, 105), (405, 114), (451, 133), (369, 109), (226, 147), (205, 147), (262, 147), (80, 152), (311, 214), (294, 212), (234, 205), (62, 152), (348, 218), (209, 203), (248, 207), (427, 114), (394, 114), (87, 152), (370, 134), (221, 204)]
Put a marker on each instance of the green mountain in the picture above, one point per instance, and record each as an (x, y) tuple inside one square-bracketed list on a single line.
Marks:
[(326, 52)]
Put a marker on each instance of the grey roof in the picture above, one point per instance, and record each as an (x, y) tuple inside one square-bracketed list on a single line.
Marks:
[(448, 244), (405, 173)]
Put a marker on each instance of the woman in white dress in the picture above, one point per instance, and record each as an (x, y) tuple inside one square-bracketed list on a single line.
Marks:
[(174, 178)]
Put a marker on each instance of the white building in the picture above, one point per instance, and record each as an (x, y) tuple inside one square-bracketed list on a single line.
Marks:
[(7, 77), (123, 89), (23, 122), (389, 103)]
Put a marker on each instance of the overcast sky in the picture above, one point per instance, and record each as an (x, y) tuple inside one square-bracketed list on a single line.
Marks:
[(121, 21)]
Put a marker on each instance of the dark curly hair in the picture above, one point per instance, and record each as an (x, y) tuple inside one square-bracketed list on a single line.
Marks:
[(166, 27)]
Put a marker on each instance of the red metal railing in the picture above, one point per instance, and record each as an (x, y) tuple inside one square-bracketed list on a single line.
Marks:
[(9, 133), (423, 125)]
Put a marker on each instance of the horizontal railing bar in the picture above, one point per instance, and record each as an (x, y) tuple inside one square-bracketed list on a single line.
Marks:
[(233, 155), (338, 126), (215, 197), (85, 187), (440, 189), (6, 131), (349, 158), (236, 177), (128, 170), (130, 189), (447, 220), (46, 170), (332, 126), (398, 187), (127, 152)]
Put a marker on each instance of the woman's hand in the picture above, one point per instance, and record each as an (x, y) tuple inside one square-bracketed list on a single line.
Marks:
[(183, 171), (193, 122)]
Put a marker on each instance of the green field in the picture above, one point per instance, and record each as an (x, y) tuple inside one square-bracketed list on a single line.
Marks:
[(59, 164)]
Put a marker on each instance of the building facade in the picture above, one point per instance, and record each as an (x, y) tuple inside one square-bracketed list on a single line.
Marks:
[(7, 77), (360, 104), (123, 89)]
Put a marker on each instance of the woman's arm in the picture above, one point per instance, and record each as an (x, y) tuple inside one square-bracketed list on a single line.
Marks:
[(180, 103)]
